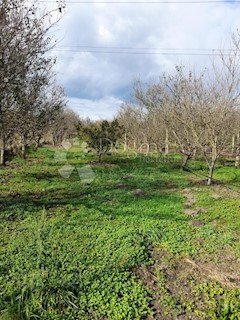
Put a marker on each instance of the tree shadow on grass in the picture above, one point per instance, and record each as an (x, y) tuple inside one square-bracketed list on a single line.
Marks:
[(107, 201), (160, 201)]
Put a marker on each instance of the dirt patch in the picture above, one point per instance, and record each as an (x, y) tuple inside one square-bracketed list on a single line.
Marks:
[(189, 203), (173, 282), (147, 275), (223, 268), (190, 210), (189, 196), (120, 186), (167, 279), (221, 273), (196, 223), (138, 193), (198, 181), (220, 191)]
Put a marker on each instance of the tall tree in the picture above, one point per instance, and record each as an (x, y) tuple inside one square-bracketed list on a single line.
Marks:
[(24, 42)]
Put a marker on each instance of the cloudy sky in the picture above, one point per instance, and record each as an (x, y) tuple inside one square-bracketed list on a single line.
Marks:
[(102, 47)]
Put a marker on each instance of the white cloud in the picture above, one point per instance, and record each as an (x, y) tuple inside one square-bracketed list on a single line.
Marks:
[(92, 78), (103, 108)]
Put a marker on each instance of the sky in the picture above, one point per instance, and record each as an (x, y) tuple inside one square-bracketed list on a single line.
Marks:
[(103, 47)]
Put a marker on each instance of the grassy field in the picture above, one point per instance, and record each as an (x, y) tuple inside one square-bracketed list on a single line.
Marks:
[(71, 250)]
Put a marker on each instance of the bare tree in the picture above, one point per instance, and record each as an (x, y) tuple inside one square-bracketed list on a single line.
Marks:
[(197, 112), (23, 43), (203, 114), (129, 117), (144, 119)]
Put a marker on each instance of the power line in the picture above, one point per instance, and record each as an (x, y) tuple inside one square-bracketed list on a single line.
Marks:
[(140, 48), (143, 52), (142, 2)]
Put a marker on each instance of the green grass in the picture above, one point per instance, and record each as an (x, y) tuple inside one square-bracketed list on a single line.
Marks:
[(70, 251)]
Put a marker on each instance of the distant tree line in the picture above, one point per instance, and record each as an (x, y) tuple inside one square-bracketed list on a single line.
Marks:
[(189, 113)]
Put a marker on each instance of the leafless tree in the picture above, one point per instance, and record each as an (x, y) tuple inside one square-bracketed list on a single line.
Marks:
[(24, 42), (198, 112)]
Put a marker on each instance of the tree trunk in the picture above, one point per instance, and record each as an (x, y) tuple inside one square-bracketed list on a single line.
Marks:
[(2, 156), (23, 147), (2, 153), (213, 162), (23, 151), (210, 174), (148, 149), (160, 149), (194, 154), (237, 160), (134, 144), (167, 142), (233, 144), (100, 157), (185, 161), (125, 142), (37, 145)]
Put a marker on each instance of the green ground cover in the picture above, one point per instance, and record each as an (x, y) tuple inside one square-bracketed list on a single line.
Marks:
[(69, 250)]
